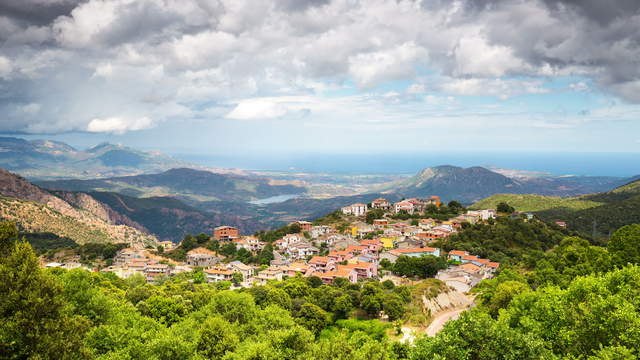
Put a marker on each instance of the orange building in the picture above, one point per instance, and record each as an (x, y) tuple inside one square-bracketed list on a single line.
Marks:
[(225, 233)]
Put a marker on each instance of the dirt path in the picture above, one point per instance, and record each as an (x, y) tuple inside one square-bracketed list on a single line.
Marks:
[(441, 318)]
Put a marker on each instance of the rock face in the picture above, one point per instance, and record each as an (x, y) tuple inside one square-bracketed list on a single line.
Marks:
[(82, 218), (446, 301)]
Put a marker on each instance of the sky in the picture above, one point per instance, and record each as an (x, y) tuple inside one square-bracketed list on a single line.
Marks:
[(228, 77)]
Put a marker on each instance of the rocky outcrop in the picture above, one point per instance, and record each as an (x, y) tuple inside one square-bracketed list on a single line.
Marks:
[(445, 301), (37, 210), (99, 209)]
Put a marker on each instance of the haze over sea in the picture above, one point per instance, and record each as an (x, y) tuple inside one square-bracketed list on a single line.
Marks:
[(587, 164)]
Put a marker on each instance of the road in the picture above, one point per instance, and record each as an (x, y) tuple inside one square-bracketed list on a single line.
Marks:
[(441, 318)]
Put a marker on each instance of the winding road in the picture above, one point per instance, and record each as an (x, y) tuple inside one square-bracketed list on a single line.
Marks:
[(441, 318)]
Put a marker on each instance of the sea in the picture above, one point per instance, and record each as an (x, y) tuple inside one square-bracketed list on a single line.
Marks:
[(564, 163)]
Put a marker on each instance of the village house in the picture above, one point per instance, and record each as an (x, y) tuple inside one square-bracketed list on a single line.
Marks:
[(426, 224), (434, 200), (153, 271), (218, 274), (380, 223), (270, 274), (299, 268), (317, 231), (225, 233), (305, 226), (301, 250), (128, 255), (245, 270), (287, 240), (167, 245), (457, 255), (355, 209), (485, 214), (202, 257), (403, 206), (340, 255), (373, 245), (381, 203), (322, 263), (249, 243), (348, 273), (364, 270)]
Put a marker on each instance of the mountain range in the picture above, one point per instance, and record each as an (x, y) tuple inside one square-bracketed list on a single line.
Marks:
[(46, 159), (188, 184), (471, 184), (166, 198)]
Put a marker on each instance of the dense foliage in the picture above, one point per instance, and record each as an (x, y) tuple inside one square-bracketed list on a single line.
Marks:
[(506, 240)]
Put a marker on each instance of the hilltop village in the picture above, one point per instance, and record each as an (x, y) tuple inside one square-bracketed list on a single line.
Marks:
[(358, 242)]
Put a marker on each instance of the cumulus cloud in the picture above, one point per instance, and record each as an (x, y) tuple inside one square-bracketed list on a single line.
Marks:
[(265, 109), (118, 125), (190, 55)]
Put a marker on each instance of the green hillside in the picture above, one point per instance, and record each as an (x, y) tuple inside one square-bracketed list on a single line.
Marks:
[(534, 203), (595, 214)]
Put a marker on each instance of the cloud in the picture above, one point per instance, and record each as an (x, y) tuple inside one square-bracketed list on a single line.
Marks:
[(192, 55), (5, 67), (258, 109), (118, 125)]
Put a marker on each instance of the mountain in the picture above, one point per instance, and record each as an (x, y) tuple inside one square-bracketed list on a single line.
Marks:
[(86, 220), (188, 184), (474, 183), (170, 219), (594, 214), (45, 159)]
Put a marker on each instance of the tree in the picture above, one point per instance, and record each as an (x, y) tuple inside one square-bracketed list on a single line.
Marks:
[(624, 245), (455, 206), (243, 255), (503, 207), (373, 215), (34, 323), (422, 267), (314, 281), (167, 310), (313, 317), (237, 278), (266, 255), (393, 306), (228, 249), (160, 249), (216, 338), (342, 306), (294, 228), (189, 243)]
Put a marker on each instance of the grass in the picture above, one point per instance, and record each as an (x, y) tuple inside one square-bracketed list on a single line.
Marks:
[(535, 203)]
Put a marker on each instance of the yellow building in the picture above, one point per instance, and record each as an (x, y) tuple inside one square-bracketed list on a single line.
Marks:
[(354, 231), (387, 242)]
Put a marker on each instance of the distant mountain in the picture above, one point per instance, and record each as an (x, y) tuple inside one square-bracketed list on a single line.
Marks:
[(601, 212), (45, 159), (82, 218), (170, 219), (472, 184), (188, 184)]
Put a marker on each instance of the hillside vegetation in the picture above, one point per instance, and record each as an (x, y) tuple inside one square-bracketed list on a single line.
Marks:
[(533, 203), (602, 212), (34, 217)]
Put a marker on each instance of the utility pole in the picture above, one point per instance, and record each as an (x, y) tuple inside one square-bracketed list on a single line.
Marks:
[(593, 233)]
